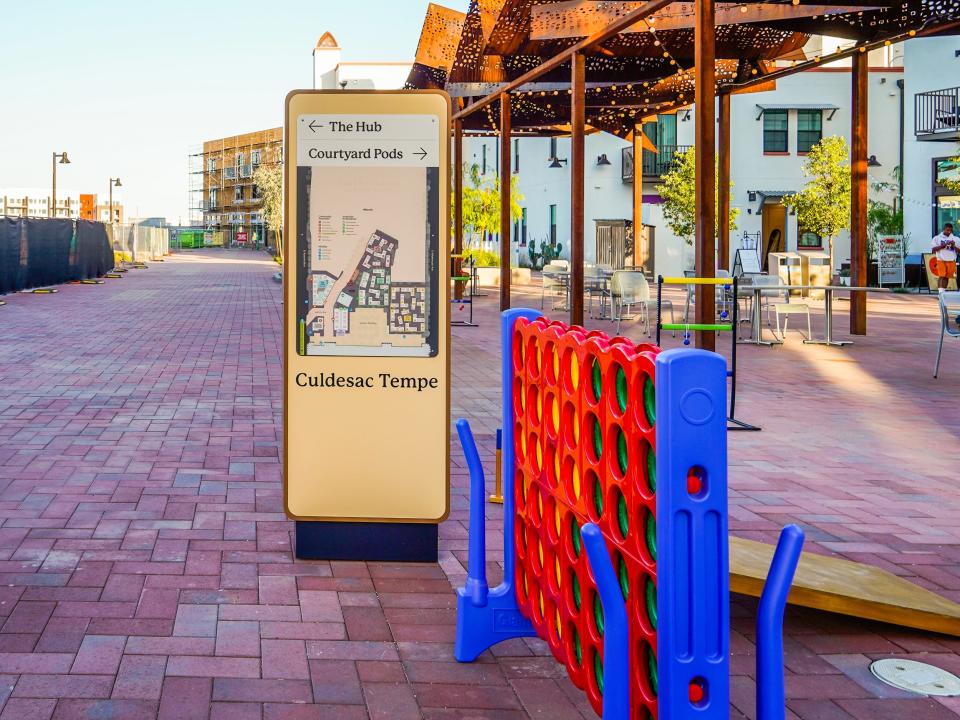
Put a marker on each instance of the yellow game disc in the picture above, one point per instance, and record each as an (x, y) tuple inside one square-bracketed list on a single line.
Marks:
[(541, 604), (559, 626), (539, 456), (523, 443), (539, 407), (574, 371), (576, 482), (556, 569), (556, 467), (576, 430), (556, 364), (556, 414), (540, 553), (556, 523)]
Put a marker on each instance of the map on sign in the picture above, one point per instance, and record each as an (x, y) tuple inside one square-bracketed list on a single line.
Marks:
[(367, 235)]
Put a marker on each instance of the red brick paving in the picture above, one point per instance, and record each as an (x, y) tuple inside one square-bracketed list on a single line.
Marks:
[(146, 567)]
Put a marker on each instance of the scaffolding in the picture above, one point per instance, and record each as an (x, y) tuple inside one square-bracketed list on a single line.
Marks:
[(221, 193)]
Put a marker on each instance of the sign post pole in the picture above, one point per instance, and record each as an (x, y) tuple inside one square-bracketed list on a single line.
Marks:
[(366, 323)]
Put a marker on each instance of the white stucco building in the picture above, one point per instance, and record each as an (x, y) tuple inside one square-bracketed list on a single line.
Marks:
[(931, 136), (770, 134), (330, 73), (35, 202)]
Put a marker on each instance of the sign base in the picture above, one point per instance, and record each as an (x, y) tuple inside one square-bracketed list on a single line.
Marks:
[(374, 541)]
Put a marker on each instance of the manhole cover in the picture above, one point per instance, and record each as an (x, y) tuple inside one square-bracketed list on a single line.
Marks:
[(916, 677)]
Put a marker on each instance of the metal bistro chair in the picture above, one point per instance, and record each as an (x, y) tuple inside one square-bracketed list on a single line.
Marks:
[(949, 321), (629, 288), (554, 281), (723, 296), (594, 282)]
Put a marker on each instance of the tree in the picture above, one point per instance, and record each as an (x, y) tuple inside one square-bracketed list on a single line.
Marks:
[(269, 181), (883, 218), (823, 205), (953, 183), (679, 193), (481, 202)]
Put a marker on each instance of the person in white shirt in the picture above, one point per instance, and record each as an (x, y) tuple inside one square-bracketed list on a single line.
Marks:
[(945, 248)]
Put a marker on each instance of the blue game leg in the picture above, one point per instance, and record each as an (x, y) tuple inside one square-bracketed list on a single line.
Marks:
[(616, 663), (770, 691), (485, 621)]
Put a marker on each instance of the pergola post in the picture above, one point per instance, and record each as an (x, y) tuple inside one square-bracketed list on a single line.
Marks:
[(723, 183), (637, 192), (858, 199), (577, 122), (705, 97), (505, 201), (457, 207)]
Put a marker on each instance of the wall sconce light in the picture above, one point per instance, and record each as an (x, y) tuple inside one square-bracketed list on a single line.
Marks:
[(751, 196), (873, 162), (556, 162), (603, 160), (686, 115)]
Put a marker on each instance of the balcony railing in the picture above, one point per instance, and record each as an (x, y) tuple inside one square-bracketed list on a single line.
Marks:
[(656, 164), (937, 115)]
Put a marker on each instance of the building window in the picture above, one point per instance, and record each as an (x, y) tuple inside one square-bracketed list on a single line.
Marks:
[(238, 193), (239, 159), (946, 201), (553, 148), (809, 239), (483, 159), (809, 129), (211, 164), (255, 157), (523, 227), (516, 156), (775, 131), (255, 192), (553, 224)]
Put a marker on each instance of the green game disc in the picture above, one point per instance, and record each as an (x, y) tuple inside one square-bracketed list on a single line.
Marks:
[(651, 598), (597, 439), (598, 497), (598, 614), (652, 536), (623, 577), (575, 536), (576, 593), (622, 451), (621, 389), (598, 671), (652, 668), (577, 650), (651, 470), (649, 401), (623, 517), (597, 380)]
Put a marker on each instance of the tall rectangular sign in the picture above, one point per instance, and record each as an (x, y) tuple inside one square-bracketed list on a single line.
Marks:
[(366, 332)]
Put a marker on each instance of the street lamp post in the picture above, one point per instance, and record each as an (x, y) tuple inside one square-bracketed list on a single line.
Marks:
[(114, 182), (64, 160)]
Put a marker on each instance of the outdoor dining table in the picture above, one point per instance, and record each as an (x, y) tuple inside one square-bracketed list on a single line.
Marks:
[(600, 281), (828, 290)]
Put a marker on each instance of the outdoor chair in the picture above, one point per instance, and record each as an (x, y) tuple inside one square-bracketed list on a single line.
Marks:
[(768, 298), (949, 325), (594, 282), (555, 284), (629, 288), (791, 308), (723, 296)]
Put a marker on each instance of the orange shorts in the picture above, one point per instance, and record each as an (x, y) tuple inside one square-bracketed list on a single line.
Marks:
[(943, 268)]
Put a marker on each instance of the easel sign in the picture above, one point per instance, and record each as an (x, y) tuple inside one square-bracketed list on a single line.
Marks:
[(366, 326), (747, 262)]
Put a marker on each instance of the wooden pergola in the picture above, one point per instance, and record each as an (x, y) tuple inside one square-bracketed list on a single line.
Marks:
[(520, 68)]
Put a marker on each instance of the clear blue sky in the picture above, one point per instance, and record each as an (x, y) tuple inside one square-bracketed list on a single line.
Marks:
[(127, 87)]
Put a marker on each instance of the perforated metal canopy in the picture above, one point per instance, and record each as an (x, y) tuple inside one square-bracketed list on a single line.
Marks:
[(648, 68)]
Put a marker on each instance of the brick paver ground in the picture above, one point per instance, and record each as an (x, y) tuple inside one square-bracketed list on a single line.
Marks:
[(146, 565)]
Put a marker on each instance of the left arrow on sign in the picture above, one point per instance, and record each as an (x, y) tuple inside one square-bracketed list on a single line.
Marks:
[(314, 125)]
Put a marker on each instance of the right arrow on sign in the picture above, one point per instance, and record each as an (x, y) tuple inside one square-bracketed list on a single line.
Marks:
[(422, 153)]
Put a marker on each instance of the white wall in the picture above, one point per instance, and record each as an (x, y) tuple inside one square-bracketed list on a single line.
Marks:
[(607, 196), (930, 64), (372, 76)]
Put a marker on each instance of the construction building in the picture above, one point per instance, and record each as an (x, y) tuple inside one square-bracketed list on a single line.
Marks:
[(223, 195)]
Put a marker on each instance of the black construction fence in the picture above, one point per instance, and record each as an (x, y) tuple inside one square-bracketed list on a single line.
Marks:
[(36, 251)]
